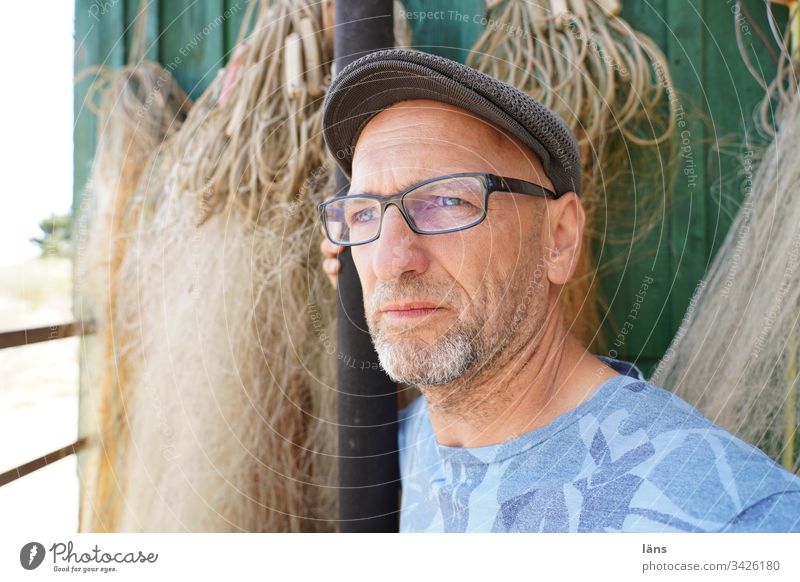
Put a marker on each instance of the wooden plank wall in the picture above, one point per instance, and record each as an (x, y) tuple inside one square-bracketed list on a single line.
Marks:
[(716, 92), (718, 96)]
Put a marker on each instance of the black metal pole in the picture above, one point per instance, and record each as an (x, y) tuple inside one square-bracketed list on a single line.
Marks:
[(369, 474)]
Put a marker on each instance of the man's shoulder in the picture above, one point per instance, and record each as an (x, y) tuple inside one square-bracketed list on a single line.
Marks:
[(643, 405), (676, 430), (701, 468), (654, 409)]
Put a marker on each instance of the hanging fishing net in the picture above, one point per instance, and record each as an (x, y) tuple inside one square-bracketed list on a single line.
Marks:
[(735, 355), (214, 415)]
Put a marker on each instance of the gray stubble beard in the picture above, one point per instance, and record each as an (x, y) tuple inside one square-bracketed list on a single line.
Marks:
[(448, 370)]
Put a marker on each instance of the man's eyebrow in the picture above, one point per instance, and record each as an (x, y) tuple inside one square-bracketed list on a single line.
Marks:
[(405, 185)]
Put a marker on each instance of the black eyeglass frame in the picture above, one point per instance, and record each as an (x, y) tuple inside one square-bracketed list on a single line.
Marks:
[(491, 183)]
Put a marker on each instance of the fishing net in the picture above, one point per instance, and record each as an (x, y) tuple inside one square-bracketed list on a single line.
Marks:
[(230, 410), (780, 92), (213, 418), (735, 355), (137, 107), (612, 86)]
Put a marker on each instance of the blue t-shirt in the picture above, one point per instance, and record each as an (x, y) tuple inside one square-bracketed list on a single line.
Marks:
[(632, 457)]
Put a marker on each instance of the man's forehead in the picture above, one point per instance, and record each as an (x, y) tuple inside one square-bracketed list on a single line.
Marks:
[(418, 139), (416, 118)]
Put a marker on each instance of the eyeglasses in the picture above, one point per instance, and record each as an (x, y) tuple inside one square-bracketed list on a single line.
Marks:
[(435, 206)]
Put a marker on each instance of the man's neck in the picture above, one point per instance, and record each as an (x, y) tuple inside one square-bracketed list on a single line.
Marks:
[(524, 391)]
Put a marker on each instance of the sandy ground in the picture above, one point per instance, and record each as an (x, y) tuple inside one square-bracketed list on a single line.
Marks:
[(38, 399)]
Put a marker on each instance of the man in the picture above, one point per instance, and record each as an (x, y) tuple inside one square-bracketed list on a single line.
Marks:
[(519, 427)]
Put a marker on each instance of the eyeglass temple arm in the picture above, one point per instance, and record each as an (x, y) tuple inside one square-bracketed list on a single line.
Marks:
[(519, 186)]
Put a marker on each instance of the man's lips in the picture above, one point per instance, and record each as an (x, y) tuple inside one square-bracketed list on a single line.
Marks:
[(411, 309)]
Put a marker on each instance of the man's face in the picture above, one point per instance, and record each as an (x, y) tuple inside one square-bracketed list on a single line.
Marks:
[(442, 306)]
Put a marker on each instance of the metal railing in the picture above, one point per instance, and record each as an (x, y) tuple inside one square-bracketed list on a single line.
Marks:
[(24, 337), (43, 461)]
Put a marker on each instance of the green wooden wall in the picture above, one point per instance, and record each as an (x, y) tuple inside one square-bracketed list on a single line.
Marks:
[(716, 93)]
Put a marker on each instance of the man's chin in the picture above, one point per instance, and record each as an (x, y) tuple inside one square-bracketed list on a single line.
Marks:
[(413, 361), (406, 350)]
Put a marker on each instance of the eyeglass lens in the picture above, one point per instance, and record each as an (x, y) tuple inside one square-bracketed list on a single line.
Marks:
[(441, 205)]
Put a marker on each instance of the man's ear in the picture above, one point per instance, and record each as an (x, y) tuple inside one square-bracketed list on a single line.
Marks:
[(563, 231)]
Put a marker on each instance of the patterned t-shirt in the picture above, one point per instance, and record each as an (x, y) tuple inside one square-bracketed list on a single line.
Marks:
[(632, 457)]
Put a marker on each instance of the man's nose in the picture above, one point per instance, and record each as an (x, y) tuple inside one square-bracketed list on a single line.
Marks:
[(398, 247)]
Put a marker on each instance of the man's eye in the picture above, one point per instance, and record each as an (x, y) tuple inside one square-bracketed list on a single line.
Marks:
[(362, 216), (451, 201)]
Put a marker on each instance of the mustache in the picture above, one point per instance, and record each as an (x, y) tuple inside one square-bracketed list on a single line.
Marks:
[(413, 289)]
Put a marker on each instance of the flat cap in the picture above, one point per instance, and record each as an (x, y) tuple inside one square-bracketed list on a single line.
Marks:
[(381, 78)]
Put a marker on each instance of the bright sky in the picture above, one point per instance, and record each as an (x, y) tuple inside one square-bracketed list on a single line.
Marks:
[(36, 121)]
